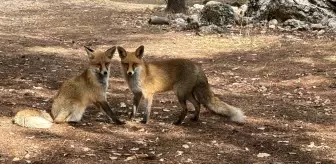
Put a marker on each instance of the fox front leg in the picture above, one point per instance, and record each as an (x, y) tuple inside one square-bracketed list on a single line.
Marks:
[(136, 102), (148, 104), (104, 105)]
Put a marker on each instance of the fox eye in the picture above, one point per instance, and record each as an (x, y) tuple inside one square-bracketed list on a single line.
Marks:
[(107, 63), (134, 65), (125, 64)]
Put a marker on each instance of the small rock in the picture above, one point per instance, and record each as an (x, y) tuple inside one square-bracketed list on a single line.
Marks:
[(273, 22), (317, 26), (271, 26), (332, 23), (320, 32), (138, 23), (213, 3), (180, 22), (198, 6), (294, 23), (156, 20), (16, 159), (193, 22), (181, 15)]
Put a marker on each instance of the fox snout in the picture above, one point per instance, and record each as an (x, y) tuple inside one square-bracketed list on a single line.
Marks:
[(130, 73), (104, 72)]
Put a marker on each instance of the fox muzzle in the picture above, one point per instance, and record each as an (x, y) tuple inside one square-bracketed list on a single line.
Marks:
[(130, 73)]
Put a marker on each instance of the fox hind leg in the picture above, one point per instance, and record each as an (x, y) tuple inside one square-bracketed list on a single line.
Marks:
[(181, 96), (75, 115), (197, 106)]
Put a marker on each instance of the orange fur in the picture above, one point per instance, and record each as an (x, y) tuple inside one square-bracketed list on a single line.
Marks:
[(78, 92), (184, 77)]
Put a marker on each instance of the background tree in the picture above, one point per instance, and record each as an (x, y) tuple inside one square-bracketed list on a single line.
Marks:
[(176, 6)]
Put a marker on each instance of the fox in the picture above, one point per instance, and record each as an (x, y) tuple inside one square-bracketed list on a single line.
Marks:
[(76, 94), (183, 76)]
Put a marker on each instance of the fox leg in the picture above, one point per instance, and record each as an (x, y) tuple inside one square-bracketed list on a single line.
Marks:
[(106, 108), (136, 102), (148, 99), (184, 111), (181, 96), (61, 116), (197, 106), (76, 115)]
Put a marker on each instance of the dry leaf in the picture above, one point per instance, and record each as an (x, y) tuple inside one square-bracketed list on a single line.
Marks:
[(165, 110), (135, 149), (113, 158), (86, 149), (261, 155), (130, 158), (122, 105), (261, 128), (118, 154), (179, 153), (16, 159), (185, 146)]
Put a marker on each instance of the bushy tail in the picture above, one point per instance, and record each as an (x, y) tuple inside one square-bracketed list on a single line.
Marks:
[(32, 118), (206, 97), (222, 108)]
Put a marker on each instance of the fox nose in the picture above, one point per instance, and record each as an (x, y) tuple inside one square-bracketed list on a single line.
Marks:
[(105, 72), (130, 73)]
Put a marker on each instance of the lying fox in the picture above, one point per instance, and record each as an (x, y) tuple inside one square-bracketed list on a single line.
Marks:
[(184, 77), (76, 94)]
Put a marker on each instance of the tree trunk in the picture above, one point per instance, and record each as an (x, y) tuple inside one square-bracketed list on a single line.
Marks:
[(176, 6)]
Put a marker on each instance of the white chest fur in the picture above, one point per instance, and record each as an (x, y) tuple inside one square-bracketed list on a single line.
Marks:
[(134, 81)]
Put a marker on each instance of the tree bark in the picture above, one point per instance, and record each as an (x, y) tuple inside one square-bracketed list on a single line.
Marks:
[(176, 6)]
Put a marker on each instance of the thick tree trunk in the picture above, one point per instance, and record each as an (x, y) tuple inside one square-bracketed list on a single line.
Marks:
[(176, 6)]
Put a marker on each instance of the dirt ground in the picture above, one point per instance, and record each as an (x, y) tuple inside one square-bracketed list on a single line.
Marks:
[(285, 84)]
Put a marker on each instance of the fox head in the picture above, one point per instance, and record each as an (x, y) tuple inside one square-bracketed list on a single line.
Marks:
[(131, 61), (100, 62)]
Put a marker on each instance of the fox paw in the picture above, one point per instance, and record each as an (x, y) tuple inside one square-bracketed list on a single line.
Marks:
[(120, 122), (144, 121), (178, 122)]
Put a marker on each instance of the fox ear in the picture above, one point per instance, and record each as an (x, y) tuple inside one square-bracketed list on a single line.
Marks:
[(139, 52), (110, 52), (89, 52), (122, 52)]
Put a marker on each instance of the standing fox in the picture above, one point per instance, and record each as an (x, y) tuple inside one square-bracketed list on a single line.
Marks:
[(184, 77), (76, 94)]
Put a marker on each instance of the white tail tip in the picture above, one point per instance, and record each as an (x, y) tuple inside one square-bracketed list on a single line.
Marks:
[(238, 116)]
